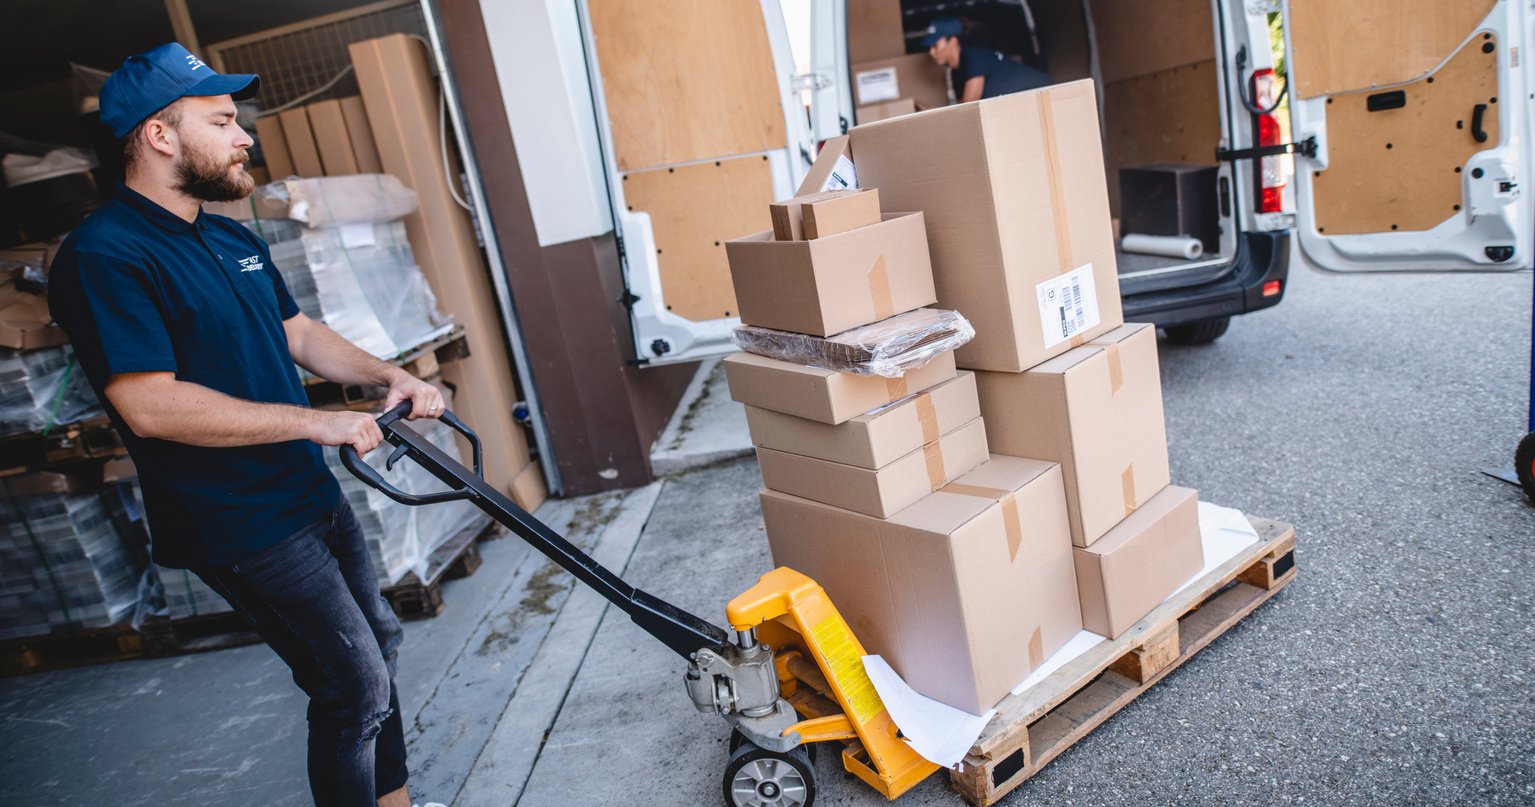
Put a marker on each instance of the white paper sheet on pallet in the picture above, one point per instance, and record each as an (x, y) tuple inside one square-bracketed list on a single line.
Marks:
[(943, 734), (937, 731)]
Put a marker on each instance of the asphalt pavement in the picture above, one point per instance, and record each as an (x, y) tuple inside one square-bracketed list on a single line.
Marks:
[(1395, 670)]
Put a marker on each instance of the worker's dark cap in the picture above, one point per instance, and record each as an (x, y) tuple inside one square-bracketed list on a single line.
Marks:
[(154, 79), (942, 28)]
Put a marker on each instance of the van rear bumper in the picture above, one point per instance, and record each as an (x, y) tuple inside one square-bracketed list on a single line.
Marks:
[(1265, 257)]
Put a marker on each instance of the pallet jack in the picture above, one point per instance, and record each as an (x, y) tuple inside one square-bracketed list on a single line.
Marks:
[(788, 674)]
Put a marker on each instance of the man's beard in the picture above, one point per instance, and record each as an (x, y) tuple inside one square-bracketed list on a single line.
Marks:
[(202, 177)]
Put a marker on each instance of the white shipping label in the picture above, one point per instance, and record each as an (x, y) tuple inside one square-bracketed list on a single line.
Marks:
[(877, 85), (357, 236), (843, 176), (1068, 305)]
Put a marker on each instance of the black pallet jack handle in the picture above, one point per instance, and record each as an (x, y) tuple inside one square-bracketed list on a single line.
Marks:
[(679, 630)]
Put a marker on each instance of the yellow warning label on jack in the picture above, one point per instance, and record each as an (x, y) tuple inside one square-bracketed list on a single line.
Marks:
[(834, 641)]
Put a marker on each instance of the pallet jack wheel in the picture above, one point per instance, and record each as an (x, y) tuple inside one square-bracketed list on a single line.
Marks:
[(1524, 465), (757, 777)]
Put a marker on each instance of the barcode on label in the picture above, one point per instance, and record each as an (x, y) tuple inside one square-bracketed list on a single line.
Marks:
[(1076, 301)]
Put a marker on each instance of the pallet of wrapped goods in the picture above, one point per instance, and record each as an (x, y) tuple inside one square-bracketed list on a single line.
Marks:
[(62, 565), (42, 388)]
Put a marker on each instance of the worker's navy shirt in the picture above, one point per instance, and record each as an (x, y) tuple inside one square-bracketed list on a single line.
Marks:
[(140, 289), (1003, 75)]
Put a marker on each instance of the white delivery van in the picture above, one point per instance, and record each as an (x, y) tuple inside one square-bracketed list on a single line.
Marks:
[(1408, 137)]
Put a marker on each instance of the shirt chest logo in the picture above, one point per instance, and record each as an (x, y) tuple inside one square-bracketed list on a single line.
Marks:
[(252, 264)]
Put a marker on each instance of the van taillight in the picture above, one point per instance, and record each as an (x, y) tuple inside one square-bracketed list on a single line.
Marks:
[(1271, 168)]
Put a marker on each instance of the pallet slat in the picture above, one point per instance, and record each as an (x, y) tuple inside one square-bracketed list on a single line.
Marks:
[(1039, 725)]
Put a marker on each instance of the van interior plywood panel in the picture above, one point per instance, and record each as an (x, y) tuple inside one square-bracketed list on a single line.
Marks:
[(1397, 169), (686, 81), (694, 210), (1167, 117), (1361, 44), (1136, 37)]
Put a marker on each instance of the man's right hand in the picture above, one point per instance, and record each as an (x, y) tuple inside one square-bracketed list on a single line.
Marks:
[(356, 429)]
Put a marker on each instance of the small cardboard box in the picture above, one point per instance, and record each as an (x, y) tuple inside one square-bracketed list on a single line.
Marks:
[(1097, 410), (880, 492), (964, 593), (1140, 562), (874, 439), (1017, 213), (883, 110), (916, 77), (826, 396), (25, 322), (825, 213), (831, 284)]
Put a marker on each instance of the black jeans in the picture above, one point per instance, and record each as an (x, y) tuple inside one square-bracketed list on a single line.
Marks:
[(314, 598)]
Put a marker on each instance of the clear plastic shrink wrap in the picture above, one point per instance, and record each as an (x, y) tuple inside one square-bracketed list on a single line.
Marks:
[(888, 348)]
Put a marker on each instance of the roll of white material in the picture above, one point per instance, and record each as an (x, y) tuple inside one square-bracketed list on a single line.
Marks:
[(1170, 246)]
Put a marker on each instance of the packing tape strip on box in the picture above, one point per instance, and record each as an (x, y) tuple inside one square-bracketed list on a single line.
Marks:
[(1009, 502)]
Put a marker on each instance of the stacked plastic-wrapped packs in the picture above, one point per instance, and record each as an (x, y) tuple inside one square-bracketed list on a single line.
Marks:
[(62, 565), (402, 538), (42, 388), (343, 253)]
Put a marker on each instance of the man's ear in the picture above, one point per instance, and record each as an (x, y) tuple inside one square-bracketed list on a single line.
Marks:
[(160, 137)]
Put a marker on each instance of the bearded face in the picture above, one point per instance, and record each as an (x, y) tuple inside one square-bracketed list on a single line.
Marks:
[(204, 174)]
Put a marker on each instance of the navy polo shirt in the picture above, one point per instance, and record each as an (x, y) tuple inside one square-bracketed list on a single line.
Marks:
[(140, 289)]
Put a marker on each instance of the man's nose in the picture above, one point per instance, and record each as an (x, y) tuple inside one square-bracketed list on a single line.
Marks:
[(243, 140)]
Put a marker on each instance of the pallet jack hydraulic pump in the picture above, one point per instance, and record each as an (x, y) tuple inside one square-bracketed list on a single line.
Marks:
[(787, 675)]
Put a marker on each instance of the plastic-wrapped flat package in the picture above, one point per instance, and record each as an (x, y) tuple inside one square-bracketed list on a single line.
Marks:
[(43, 388), (402, 538), (352, 199), (888, 348), (62, 565), (362, 281)]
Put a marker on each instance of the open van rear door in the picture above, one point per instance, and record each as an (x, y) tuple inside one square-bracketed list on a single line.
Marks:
[(1421, 117), (831, 105)]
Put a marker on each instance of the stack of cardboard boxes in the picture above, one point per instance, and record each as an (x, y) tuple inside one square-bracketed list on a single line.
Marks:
[(968, 579)]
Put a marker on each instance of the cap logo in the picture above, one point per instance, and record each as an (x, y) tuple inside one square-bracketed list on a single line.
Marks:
[(194, 62)]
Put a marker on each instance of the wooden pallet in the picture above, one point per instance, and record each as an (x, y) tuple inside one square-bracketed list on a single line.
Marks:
[(73, 442), (1037, 726), (422, 361), (459, 556)]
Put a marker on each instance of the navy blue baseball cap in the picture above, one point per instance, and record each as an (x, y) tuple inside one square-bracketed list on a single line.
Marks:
[(154, 79), (942, 28)]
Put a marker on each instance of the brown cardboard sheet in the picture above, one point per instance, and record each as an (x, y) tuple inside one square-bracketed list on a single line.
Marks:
[(1140, 562), (1097, 410), (826, 396), (964, 593)]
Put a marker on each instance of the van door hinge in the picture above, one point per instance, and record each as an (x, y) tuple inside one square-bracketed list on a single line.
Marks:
[(1305, 147)]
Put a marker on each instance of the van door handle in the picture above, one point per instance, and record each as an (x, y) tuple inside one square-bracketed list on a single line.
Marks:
[(1476, 123)]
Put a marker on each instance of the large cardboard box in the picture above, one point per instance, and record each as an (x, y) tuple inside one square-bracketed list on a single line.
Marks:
[(964, 593), (1017, 213), (1141, 562), (884, 109), (916, 77), (831, 284), (301, 146), (274, 147), (821, 395), (877, 492), (874, 30), (877, 438), (1097, 410)]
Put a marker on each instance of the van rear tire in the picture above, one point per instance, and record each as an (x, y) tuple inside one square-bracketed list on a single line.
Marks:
[(1202, 332)]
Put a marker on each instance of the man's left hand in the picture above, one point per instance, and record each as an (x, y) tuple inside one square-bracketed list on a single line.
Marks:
[(425, 399)]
